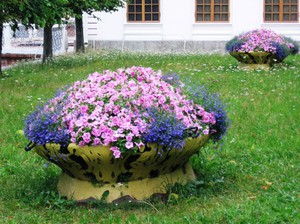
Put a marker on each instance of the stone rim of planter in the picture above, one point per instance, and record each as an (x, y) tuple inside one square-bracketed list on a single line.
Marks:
[(146, 173)]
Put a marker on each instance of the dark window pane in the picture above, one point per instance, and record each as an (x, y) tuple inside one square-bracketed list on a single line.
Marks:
[(217, 8), (138, 8), (207, 1), (286, 8), (294, 1), (217, 1), (148, 8), (138, 17), (268, 17), (155, 8), (148, 17), (275, 8), (154, 1), (268, 1), (268, 8), (224, 1), (148, 1), (207, 8), (276, 2), (275, 17), (286, 17), (199, 17), (207, 17), (131, 8), (131, 17), (200, 2), (294, 8), (138, 1), (199, 8), (217, 17), (294, 17), (225, 17), (286, 1), (155, 17), (224, 8)]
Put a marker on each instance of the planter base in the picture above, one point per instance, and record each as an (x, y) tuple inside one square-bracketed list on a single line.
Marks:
[(250, 67), (76, 189)]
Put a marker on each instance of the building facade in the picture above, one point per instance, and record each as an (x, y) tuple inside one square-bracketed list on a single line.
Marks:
[(190, 25)]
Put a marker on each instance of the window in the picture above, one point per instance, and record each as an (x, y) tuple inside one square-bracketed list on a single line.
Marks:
[(281, 10), (143, 11), (212, 10)]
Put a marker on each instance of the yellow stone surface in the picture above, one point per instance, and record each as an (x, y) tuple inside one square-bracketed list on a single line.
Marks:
[(76, 189), (90, 171), (250, 67), (97, 164), (253, 57)]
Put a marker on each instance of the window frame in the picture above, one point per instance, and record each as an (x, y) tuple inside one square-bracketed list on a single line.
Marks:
[(281, 12), (212, 13), (143, 13)]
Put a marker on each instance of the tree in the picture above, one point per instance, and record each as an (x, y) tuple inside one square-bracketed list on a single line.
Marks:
[(76, 8), (42, 13), (9, 13)]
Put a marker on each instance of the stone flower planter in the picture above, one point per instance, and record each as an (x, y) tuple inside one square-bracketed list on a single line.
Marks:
[(128, 132), (255, 60), (90, 171), (261, 48)]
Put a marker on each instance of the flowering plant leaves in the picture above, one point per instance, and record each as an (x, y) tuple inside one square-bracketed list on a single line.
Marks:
[(123, 109)]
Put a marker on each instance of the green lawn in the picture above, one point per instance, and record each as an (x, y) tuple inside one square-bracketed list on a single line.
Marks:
[(255, 178)]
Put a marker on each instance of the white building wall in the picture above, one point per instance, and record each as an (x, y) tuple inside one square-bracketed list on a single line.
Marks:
[(105, 26), (176, 19), (177, 22), (176, 30), (246, 15)]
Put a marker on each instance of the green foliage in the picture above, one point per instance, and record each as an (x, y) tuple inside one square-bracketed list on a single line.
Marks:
[(253, 179), (89, 6), (10, 10), (40, 13)]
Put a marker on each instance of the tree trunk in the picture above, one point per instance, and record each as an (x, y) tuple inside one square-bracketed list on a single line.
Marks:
[(1, 35), (47, 49), (79, 35)]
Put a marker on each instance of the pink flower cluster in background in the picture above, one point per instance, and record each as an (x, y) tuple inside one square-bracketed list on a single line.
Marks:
[(110, 109), (262, 40)]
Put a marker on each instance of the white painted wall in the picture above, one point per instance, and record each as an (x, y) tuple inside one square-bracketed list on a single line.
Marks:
[(246, 15), (177, 22), (105, 26), (176, 19)]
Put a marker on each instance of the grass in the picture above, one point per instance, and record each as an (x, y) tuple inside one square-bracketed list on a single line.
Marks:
[(253, 179)]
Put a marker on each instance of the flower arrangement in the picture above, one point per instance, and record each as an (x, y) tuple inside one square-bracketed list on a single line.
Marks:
[(126, 109), (263, 40)]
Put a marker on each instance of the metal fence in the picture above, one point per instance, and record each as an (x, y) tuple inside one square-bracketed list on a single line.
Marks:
[(30, 41)]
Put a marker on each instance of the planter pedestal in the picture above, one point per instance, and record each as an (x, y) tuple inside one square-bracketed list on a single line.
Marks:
[(76, 189), (250, 67), (90, 171), (255, 60)]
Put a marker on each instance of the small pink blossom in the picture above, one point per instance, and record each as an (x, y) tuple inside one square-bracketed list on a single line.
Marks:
[(206, 132), (129, 145), (96, 132), (97, 141), (86, 137)]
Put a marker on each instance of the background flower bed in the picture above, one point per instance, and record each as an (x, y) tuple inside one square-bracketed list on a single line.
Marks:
[(253, 179), (263, 40)]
